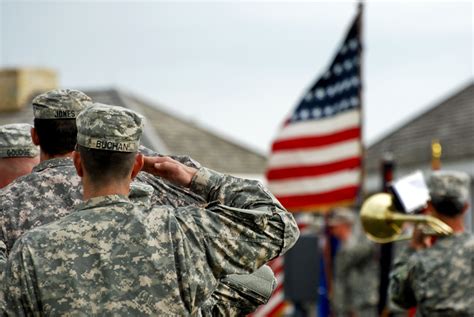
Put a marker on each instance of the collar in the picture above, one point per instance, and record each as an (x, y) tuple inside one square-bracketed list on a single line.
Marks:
[(53, 163), (103, 201)]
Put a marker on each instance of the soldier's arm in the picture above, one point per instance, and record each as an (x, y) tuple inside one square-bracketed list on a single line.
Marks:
[(401, 279), (242, 227), (21, 291), (239, 295)]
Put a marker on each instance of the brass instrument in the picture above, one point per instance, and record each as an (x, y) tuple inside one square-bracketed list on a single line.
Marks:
[(382, 223)]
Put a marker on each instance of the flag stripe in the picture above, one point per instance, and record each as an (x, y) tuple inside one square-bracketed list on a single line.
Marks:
[(315, 141), (315, 170), (311, 157), (330, 197), (314, 185), (320, 127)]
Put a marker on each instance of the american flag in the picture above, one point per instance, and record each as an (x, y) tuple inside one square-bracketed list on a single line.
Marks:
[(315, 161)]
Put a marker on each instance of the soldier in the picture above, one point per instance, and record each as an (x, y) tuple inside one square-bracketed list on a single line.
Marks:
[(438, 277), (355, 292), (18, 154), (47, 193), (110, 257)]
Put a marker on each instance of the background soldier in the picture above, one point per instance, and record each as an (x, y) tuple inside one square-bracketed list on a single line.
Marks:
[(18, 154), (438, 278), (110, 257), (355, 292)]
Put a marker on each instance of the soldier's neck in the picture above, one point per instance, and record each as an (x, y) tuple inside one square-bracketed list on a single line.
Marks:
[(45, 156), (92, 190)]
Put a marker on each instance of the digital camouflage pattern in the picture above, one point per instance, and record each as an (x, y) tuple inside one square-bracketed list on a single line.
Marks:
[(438, 280), (15, 141), (108, 257), (355, 278), (110, 128), (449, 184), (239, 295), (60, 104)]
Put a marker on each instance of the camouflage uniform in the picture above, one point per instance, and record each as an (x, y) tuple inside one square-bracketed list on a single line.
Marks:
[(438, 280), (355, 268), (15, 141), (356, 278)]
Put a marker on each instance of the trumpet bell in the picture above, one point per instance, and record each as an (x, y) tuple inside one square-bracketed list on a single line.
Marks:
[(382, 223), (377, 219)]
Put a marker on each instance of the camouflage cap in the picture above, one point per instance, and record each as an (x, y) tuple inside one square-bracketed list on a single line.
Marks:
[(15, 141), (449, 184), (111, 128), (341, 215), (60, 104)]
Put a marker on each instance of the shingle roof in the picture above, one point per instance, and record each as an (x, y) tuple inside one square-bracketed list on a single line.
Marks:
[(170, 134), (450, 121)]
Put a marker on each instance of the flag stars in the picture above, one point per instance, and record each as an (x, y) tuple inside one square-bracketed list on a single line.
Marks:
[(354, 101), (328, 111), (353, 44), (304, 114), (348, 65), (320, 93), (309, 96), (337, 69), (317, 112)]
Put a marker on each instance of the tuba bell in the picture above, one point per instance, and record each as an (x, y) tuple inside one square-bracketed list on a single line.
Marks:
[(382, 223)]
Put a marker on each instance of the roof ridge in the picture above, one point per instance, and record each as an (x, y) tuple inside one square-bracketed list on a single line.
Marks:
[(434, 105)]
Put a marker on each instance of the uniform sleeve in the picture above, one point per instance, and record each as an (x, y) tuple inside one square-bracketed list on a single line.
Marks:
[(21, 290), (242, 227), (401, 290), (239, 295)]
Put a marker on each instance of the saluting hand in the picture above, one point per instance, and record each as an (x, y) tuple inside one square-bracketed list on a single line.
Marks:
[(169, 169)]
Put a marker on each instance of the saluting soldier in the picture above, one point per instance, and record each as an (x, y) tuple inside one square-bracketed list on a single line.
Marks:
[(111, 256), (438, 278), (18, 154)]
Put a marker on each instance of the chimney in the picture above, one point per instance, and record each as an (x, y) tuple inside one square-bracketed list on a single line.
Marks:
[(19, 85)]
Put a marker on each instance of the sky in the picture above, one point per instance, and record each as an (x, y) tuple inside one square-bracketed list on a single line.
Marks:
[(239, 68)]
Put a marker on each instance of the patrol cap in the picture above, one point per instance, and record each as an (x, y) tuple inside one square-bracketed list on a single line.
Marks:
[(60, 104), (341, 215), (449, 184), (15, 141), (110, 128)]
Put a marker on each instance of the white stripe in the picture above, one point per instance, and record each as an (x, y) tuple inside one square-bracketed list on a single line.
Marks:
[(274, 301), (325, 126), (314, 185), (321, 155), (279, 278)]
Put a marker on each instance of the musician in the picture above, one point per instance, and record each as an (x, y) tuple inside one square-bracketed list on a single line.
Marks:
[(437, 276)]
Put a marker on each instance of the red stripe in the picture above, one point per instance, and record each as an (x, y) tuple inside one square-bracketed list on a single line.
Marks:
[(333, 196), (295, 172), (315, 141)]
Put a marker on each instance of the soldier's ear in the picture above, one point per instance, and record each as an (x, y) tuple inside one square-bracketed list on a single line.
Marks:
[(137, 165), (76, 157), (34, 136)]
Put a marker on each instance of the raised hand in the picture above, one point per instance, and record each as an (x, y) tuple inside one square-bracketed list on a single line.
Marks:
[(169, 169)]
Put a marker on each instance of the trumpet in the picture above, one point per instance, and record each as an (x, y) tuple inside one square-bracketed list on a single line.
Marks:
[(382, 223)]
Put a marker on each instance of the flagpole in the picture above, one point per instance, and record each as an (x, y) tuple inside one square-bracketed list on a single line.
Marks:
[(360, 8)]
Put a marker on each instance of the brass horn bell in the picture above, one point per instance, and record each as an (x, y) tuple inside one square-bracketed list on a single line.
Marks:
[(382, 223)]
